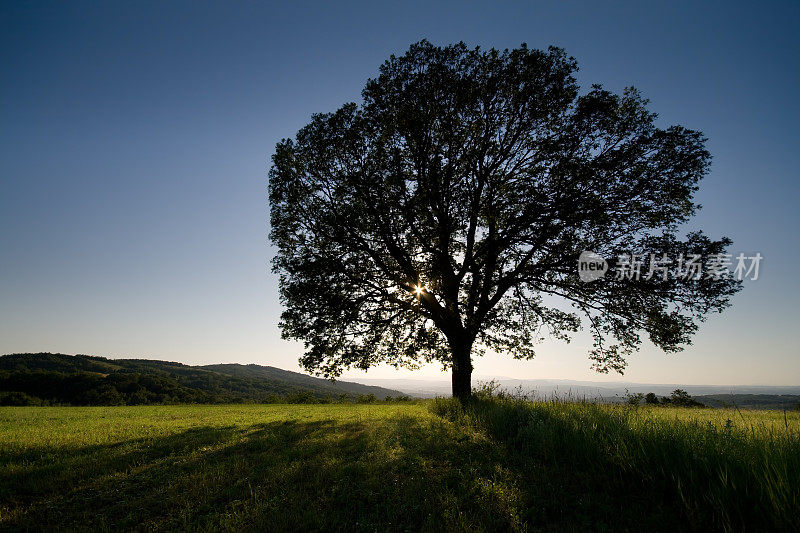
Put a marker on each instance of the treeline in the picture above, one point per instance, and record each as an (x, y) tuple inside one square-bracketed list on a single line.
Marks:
[(56, 388), (109, 398), (678, 398), (753, 401), (84, 388)]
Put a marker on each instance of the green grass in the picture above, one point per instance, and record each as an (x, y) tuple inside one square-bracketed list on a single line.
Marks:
[(499, 465), (720, 469)]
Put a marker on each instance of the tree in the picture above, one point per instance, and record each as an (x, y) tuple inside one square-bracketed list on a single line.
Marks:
[(651, 399), (444, 215), (681, 398), (633, 398)]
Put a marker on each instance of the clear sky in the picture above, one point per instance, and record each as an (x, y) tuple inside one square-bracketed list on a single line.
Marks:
[(135, 140)]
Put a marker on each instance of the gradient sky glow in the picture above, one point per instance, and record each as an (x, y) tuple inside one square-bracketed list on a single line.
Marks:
[(135, 139)]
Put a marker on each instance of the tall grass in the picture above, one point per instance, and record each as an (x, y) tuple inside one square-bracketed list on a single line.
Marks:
[(726, 469)]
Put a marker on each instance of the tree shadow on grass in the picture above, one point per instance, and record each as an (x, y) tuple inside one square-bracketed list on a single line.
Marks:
[(38, 471), (595, 467), (507, 467), (398, 474)]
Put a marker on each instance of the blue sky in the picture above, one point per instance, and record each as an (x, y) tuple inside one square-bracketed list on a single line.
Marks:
[(135, 140)]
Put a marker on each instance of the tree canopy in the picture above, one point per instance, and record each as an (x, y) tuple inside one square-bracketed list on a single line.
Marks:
[(445, 214)]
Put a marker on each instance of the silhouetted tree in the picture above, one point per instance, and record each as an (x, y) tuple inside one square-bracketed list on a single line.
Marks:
[(445, 214), (633, 398), (651, 399), (681, 398)]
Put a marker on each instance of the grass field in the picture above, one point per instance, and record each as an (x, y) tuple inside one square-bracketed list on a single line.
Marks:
[(502, 464)]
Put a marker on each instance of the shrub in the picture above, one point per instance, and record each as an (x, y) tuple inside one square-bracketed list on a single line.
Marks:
[(18, 399), (366, 398), (633, 399), (681, 398)]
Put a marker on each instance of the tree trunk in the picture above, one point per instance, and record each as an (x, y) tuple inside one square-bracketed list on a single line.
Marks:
[(462, 370)]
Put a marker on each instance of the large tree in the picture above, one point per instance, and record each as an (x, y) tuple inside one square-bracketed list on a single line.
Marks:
[(445, 214)]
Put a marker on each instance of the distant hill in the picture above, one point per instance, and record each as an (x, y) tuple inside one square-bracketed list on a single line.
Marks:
[(89, 380), (742, 396), (752, 401)]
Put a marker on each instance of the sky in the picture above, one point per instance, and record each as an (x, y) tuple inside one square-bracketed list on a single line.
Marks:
[(135, 140)]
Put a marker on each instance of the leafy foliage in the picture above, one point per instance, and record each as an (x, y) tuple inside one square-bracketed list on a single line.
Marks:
[(681, 398), (651, 399), (444, 215)]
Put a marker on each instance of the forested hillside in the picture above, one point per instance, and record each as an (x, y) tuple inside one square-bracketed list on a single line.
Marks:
[(45, 378)]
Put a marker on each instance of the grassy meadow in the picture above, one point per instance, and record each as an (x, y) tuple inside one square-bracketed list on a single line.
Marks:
[(500, 464)]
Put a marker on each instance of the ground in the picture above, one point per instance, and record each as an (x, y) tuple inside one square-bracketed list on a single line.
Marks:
[(500, 465)]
